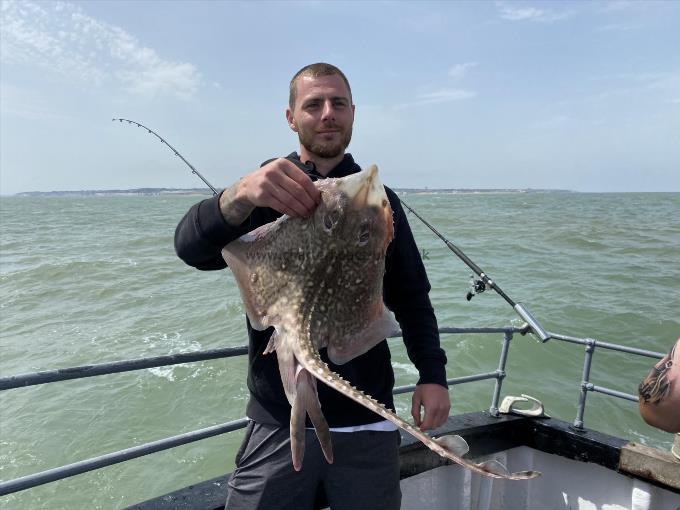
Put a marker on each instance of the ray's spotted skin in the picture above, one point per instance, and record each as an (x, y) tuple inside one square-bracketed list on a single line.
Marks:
[(318, 281)]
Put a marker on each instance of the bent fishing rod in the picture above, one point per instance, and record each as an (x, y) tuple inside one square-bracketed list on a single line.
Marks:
[(478, 286), (152, 132)]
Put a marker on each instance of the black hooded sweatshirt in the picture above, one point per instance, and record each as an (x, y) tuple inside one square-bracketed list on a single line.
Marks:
[(199, 239)]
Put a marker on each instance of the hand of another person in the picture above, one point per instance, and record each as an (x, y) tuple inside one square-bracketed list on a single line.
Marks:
[(282, 186), (437, 403)]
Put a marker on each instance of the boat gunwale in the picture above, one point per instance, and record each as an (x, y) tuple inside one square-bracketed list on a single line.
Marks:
[(486, 435)]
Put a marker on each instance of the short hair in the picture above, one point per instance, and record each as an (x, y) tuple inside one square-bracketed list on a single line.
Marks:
[(315, 70)]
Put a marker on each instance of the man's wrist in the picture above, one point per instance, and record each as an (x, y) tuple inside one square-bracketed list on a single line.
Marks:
[(433, 373), (234, 206)]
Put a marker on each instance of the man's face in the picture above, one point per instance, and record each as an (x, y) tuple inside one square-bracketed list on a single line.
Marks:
[(323, 115)]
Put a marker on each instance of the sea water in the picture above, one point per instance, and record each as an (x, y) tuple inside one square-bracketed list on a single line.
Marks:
[(91, 280)]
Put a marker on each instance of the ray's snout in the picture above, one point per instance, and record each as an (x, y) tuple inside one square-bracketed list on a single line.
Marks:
[(366, 189)]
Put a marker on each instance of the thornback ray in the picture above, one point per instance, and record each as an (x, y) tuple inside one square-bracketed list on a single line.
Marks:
[(319, 282)]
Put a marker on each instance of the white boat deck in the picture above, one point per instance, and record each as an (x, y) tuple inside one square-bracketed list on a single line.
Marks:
[(564, 485)]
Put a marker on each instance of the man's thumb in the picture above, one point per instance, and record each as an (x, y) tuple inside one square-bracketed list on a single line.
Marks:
[(415, 409)]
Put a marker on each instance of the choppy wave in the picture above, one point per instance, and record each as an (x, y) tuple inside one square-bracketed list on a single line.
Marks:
[(100, 282)]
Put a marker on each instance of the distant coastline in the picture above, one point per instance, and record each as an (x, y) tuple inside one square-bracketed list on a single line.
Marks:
[(203, 191), (117, 192)]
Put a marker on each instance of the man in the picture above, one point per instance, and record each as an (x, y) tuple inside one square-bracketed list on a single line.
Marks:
[(365, 471), (660, 393)]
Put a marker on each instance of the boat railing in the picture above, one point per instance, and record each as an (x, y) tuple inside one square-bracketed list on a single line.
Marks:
[(51, 376)]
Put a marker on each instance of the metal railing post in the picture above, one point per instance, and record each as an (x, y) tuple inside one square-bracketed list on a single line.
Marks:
[(500, 373), (585, 381)]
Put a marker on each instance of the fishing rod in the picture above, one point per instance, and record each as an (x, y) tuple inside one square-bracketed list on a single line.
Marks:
[(152, 132), (478, 286), (484, 281)]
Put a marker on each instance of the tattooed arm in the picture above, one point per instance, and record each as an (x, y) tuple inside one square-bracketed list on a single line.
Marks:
[(279, 185), (234, 208), (660, 393)]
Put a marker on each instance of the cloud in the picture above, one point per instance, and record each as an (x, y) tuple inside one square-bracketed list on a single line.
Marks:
[(460, 70), (61, 38), (618, 27), (513, 13), (440, 96)]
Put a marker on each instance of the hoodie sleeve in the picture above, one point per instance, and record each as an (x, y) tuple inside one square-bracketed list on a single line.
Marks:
[(203, 232), (406, 292)]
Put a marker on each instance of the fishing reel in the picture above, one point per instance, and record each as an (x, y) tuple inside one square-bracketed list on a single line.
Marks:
[(476, 287)]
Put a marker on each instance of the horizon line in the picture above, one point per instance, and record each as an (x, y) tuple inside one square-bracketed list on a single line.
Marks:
[(204, 191)]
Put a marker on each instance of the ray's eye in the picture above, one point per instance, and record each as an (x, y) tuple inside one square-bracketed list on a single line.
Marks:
[(330, 219), (364, 234)]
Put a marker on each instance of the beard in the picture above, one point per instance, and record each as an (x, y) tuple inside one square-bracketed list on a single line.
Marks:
[(328, 149)]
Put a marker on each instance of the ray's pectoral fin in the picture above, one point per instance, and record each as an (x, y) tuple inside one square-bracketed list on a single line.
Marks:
[(342, 350), (246, 274), (307, 402)]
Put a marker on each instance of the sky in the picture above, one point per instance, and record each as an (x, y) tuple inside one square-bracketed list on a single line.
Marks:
[(582, 96)]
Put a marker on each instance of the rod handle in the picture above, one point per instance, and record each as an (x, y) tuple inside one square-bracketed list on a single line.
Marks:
[(533, 323)]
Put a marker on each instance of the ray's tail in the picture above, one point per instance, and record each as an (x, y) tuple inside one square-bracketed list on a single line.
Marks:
[(450, 447)]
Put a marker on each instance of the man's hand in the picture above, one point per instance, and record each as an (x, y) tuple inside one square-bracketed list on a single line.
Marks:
[(279, 185), (435, 399)]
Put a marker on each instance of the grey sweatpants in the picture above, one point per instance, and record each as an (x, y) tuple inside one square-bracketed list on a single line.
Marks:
[(364, 474)]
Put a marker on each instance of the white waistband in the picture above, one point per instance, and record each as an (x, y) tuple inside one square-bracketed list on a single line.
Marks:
[(380, 426)]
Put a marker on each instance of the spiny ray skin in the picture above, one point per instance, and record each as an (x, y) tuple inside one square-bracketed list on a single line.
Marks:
[(318, 281)]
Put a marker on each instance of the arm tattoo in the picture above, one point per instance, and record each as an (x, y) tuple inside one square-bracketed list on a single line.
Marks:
[(234, 210), (656, 386)]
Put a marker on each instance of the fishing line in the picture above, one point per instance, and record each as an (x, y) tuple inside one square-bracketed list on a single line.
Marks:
[(477, 286)]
